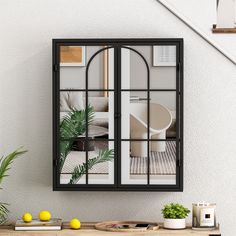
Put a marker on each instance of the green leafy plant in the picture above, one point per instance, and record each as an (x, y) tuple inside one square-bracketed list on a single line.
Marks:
[(79, 171), (175, 211), (5, 166), (72, 126)]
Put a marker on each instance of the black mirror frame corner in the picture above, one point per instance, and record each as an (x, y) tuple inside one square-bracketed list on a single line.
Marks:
[(118, 42)]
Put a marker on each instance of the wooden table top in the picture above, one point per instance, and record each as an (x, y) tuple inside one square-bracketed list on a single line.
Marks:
[(88, 229)]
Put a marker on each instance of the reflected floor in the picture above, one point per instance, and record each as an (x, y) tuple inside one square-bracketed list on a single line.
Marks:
[(75, 158), (161, 163)]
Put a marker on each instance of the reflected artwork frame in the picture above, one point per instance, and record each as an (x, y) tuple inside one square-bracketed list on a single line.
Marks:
[(72, 56), (164, 55)]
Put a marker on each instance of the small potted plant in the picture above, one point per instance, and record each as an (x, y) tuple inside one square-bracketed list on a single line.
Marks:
[(174, 216)]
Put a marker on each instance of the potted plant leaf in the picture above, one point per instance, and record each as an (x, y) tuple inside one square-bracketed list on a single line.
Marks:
[(175, 216), (5, 165)]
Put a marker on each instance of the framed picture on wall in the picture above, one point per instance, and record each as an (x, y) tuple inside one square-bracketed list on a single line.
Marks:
[(164, 55), (72, 55)]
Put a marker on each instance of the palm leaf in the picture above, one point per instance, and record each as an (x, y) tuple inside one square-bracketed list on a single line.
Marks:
[(79, 171), (3, 212), (5, 162), (74, 123), (5, 165), (72, 126), (65, 148)]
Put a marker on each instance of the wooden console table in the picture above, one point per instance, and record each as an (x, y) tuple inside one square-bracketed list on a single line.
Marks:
[(87, 229)]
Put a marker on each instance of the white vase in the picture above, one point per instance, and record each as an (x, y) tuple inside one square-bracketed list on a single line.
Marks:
[(174, 223)]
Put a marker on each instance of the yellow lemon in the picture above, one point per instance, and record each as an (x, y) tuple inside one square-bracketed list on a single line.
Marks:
[(75, 224), (44, 215), (27, 217)]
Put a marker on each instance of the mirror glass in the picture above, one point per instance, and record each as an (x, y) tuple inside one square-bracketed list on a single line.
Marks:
[(86, 115), (118, 108), (150, 109)]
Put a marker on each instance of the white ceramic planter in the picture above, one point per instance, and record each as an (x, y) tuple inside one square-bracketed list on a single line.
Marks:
[(174, 223)]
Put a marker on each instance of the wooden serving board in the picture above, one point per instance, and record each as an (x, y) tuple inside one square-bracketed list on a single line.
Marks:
[(114, 226)]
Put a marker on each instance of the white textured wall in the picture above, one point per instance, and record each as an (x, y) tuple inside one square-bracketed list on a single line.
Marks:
[(203, 15), (27, 28)]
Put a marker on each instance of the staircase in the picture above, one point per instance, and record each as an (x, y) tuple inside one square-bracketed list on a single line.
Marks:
[(197, 30)]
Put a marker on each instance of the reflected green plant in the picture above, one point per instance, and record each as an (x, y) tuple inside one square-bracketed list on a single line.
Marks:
[(72, 126)]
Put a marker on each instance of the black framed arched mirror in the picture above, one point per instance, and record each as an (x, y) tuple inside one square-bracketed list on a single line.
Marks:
[(118, 114)]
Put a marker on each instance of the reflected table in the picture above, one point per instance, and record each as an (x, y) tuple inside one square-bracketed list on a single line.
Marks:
[(93, 132)]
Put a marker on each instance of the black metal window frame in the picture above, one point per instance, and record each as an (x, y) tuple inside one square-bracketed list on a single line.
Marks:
[(117, 45)]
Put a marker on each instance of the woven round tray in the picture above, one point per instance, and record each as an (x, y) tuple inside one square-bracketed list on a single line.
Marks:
[(126, 226)]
